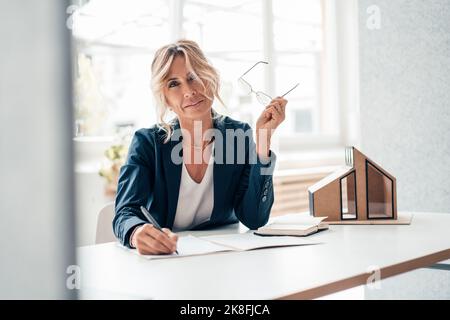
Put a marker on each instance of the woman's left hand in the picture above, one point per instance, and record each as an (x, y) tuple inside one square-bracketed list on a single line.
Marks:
[(268, 121), (273, 115)]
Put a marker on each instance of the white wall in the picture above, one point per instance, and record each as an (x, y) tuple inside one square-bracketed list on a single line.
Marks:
[(36, 185), (405, 97)]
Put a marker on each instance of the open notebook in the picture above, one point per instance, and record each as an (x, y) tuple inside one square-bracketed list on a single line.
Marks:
[(191, 246), (295, 224)]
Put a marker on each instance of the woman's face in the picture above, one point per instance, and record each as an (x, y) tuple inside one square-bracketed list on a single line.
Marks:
[(184, 92)]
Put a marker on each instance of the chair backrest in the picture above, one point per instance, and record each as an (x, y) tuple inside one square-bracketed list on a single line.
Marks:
[(104, 224)]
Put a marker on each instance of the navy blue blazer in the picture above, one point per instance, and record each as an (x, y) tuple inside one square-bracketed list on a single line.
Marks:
[(151, 179)]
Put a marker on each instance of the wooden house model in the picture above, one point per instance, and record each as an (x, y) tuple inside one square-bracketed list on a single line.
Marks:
[(361, 190)]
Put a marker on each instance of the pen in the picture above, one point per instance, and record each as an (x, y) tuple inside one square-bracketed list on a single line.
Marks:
[(152, 221)]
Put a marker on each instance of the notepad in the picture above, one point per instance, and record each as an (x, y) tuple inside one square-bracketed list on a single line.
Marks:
[(191, 246), (293, 225)]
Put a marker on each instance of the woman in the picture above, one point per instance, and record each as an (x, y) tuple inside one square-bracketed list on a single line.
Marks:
[(174, 169)]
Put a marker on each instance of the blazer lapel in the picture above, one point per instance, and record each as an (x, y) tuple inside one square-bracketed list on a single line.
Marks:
[(172, 172), (222, 175)]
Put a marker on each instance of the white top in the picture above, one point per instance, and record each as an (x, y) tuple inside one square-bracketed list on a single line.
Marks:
[(195, 200)]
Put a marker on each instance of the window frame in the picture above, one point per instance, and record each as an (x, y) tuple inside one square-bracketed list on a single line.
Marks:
[(340, 53), (340, 58)]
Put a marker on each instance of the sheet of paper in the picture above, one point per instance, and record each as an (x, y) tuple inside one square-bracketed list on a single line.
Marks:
[(298, 218), (189, 246), (285, 226), (249, 241)]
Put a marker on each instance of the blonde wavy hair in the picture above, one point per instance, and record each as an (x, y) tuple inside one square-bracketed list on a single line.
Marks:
[(196, 61)]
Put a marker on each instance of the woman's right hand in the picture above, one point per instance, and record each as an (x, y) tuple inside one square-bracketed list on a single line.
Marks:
[(149, 240)]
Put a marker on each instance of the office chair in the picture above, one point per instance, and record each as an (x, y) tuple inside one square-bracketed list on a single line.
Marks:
[(104, 224)]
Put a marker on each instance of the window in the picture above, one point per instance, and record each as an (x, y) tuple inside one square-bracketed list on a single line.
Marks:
[(115, 42), (298, 48), (290, 35), (349, 210), (380, 197)]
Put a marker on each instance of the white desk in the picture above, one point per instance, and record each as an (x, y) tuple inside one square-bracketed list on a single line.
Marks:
[(341, 262)]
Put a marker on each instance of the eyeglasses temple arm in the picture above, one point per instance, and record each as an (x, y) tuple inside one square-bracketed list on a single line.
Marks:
[(290, 90), (242, 79), (253, 67)]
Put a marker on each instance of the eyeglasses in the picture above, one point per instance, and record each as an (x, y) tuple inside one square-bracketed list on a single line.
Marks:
[(262, 97)]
